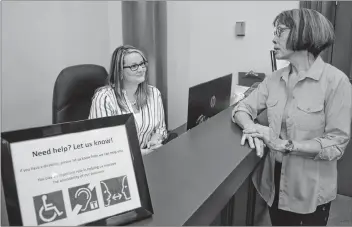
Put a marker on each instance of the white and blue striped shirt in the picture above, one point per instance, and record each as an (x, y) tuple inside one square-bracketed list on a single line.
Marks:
[(151, 117)]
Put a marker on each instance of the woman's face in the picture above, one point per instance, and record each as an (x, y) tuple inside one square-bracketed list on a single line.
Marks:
[(134, 68), (280, 39)]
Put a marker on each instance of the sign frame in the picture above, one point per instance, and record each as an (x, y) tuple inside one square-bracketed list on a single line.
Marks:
[(8, 175)]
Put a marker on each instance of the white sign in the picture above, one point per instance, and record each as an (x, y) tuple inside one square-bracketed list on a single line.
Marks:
[(75, 178)]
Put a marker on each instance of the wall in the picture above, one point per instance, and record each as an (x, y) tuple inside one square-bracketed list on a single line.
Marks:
[(115, 27), (39, 39), (4, 221), (202, 44), (144, 27)]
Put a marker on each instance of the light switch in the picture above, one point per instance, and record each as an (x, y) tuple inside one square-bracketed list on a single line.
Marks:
[(240, 28)]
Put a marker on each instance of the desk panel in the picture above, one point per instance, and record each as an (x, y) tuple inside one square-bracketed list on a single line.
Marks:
[(193, 177)]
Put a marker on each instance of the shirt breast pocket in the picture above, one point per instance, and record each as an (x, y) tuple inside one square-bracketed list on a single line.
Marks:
[(310, 116)]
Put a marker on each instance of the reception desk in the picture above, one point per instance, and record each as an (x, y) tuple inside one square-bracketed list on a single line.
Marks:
[(193, 177)]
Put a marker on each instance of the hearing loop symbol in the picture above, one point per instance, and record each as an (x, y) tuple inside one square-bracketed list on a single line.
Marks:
[(88, 196)]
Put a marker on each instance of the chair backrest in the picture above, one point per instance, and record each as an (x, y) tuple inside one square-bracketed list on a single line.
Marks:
[(73, 91)]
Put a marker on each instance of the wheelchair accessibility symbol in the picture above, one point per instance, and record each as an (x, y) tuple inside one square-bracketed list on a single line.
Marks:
[(49, 207)]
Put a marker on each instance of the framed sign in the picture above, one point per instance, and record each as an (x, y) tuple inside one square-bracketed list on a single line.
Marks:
[(87, 172)]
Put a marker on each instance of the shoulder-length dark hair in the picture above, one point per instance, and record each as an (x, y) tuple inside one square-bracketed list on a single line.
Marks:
[(115, 78), (309, 30)]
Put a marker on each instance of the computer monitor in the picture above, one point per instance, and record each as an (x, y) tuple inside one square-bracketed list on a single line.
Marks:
[(207, 99), (277, 64)]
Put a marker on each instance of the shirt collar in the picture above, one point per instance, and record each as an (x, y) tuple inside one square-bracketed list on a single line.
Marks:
[(122, 90), (314, 72)]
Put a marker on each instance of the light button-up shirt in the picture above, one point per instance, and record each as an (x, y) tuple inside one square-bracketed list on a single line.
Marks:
[(320, 110), (149, 120)]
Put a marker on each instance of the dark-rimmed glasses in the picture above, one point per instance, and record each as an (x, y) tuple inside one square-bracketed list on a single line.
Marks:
[(278, 31), (135, 67)]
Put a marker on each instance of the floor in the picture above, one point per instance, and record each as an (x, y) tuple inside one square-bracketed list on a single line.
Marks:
[(340, 213)]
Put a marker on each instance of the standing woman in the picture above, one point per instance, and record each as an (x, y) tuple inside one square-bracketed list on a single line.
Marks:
[(128, 91), (309, 112)]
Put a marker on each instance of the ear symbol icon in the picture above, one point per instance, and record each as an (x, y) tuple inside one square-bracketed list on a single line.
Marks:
[(88, 196)]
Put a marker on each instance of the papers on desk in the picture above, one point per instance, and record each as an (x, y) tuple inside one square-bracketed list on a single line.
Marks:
[(240, 89), (238, 94), (237, 98)]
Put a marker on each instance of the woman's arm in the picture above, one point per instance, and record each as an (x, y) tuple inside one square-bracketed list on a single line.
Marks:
[(338, 115), (101, 104), (247, 109), (313, 149), (243, 119), (160, 132), (308, 148)]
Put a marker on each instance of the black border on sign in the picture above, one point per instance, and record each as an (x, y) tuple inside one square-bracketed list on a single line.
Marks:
[(9, 181)]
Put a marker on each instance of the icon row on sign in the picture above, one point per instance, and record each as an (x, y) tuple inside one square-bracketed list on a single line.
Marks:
[(50, 207)]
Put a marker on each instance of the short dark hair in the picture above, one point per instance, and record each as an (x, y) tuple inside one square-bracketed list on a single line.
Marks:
[(309, 30)]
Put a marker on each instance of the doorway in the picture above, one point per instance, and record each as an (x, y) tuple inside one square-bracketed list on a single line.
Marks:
[(342, 51)]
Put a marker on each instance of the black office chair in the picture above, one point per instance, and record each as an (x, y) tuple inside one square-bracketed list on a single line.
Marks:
[(73, 91)]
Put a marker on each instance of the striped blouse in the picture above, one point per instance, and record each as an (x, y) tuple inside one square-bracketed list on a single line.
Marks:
[(149, 120)]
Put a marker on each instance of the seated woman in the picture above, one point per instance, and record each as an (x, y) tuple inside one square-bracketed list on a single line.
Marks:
[(128, 91)]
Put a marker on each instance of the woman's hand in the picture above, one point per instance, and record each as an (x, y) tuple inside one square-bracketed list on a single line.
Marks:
[(253, 142), (155, 141), (267, 135), (146, 151)]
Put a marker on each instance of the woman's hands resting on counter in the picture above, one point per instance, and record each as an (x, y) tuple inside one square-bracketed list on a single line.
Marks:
[(259, 136), (154, 143), (254, 142)]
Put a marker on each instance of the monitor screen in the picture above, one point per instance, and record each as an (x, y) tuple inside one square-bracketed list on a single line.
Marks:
[(277, 64), (208, 99)]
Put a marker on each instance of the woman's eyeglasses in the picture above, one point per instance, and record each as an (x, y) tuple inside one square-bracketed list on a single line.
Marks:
[(135, 67), (278, 31)]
